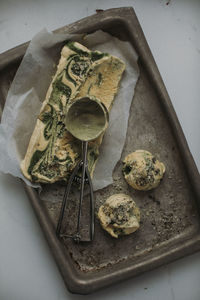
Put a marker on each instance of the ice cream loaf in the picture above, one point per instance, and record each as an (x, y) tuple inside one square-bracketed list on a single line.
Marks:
[(53, 152)]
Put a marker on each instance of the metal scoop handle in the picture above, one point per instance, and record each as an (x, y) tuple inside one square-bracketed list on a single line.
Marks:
[(85, 174)]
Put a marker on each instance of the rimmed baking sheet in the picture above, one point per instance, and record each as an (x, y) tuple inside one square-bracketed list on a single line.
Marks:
[(170, 219)]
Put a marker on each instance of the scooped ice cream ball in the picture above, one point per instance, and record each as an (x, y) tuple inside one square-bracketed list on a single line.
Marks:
[(142, 170)]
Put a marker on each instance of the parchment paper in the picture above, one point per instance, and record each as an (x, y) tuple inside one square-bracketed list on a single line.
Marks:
[(29, 88)]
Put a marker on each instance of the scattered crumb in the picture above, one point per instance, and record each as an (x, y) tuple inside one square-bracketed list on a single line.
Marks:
[(99, 10)]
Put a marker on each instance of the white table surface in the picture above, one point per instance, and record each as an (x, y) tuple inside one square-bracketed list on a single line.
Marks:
[(27, 269)]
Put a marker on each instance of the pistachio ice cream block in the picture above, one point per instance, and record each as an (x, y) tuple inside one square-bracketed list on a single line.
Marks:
[(119, 215), (142, 170), (53, 152)]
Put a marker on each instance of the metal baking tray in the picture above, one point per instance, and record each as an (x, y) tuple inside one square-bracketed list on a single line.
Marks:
[(170, 224)]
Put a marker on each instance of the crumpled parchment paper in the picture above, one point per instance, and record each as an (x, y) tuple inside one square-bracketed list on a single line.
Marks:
[(29, 88)]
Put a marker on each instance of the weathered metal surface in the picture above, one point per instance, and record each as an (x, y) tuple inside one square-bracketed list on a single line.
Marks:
[(170, 224)]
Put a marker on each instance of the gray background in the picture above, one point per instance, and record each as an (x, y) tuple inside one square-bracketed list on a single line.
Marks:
[(27, 269)]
